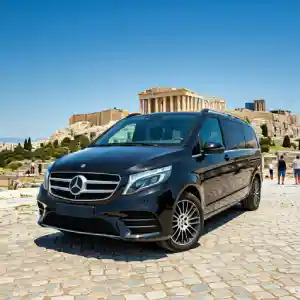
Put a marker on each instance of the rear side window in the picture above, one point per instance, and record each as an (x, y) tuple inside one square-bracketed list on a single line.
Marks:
[(250, 136), (211, 131), (233, 134)]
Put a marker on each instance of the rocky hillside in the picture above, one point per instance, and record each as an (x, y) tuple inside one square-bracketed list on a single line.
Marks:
[(80, 128), (278, 125)]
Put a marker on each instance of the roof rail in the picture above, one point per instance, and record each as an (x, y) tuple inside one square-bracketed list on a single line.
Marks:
[(132, 115), (220, 113)]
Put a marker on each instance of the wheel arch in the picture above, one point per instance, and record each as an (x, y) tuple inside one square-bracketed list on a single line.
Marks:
[(197, 191)]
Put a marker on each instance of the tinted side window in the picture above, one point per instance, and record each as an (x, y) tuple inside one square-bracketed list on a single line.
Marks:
[(211, 131), (233, 134), (250, 136)]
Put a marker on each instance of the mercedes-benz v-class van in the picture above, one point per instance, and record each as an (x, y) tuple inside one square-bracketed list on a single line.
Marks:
[(155, 177)]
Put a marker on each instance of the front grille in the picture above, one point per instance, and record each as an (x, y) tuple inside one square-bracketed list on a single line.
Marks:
[(92, 225), (97, 186), (141, 222)]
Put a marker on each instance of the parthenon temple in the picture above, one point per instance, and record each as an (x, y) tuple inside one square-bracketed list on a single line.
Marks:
[(162, 99)]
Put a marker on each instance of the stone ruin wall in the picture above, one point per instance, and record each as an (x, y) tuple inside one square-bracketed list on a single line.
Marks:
[(278, 125)]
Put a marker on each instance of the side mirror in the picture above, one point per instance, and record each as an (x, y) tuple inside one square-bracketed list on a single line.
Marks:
[(213, 148)]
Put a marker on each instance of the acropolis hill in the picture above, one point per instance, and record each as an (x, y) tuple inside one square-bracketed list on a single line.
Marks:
[(164, 99)]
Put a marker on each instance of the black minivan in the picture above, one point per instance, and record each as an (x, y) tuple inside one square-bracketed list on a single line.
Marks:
[(155, 177)]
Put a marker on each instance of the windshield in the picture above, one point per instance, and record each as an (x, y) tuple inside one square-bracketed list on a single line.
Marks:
[(169, 129)]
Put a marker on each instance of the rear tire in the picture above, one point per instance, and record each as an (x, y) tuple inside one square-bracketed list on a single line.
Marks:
[(253, 200), (187, 224)]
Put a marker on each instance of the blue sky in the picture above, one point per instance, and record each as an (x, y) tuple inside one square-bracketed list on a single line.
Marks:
[(63, 57)]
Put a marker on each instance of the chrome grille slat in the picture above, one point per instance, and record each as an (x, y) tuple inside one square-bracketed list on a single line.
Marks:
[(60, 188), (94, 189), (101, 182), (61, 179)]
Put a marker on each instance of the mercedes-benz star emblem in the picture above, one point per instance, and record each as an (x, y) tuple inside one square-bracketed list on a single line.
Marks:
[(77, 185), (83, 166)]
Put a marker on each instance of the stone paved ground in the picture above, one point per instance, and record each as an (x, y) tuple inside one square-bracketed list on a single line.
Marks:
[(244, 255)]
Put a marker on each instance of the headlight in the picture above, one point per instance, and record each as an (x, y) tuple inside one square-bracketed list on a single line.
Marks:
[(46, 177), (143, 180)]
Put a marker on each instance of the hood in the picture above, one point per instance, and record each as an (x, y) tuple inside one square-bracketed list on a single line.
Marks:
[(118, 159)]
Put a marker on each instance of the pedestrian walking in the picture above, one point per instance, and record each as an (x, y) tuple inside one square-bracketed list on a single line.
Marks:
[(296, 167), (281, 169), (271, 171)]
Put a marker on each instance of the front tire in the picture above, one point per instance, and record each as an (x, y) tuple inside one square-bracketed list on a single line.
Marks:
[(187, 224), (253, 200)]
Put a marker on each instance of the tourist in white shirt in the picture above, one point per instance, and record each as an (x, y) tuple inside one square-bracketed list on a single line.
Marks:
[(271, 171), (296, 167)]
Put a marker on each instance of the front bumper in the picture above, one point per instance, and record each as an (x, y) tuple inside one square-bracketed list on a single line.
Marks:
[(146, 216)]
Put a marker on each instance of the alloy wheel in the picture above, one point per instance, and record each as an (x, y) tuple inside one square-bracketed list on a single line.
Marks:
[(256, 192), (186, 222)]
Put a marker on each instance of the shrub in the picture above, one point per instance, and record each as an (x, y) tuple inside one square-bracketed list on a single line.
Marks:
[(55, 144), (265, 148), (294, 146), (286, 142), (264, 130), (14, 165), (65, 142), (264, 141), (247, 120), (83, 141)]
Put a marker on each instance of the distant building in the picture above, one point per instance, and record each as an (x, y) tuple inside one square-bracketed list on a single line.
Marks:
[(280, 112), (260, 105), (100, 118), (249, 105), (165, 99), (256, 105)]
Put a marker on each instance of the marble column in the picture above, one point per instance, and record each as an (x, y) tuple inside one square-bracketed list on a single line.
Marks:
[(171, 104), (141, 106), (155, 104), (183, 103), (178, 101), (148, 106), (164, 104)]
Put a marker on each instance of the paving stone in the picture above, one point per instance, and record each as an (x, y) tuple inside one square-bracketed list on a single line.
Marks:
[(135, 297), (156, 295), (243, 255)]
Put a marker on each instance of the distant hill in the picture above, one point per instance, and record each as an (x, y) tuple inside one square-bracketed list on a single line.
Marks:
[(11, 140), (17, 140)]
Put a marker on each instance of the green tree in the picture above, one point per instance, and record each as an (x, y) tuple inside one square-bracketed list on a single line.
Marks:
[(14, 165), (73, 146), (82, 141), (286, 142), (19, 149), (65, 142), (55, 144), (247, 120), (29, 145), (264, 144), (25, 144), (264, 129)]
